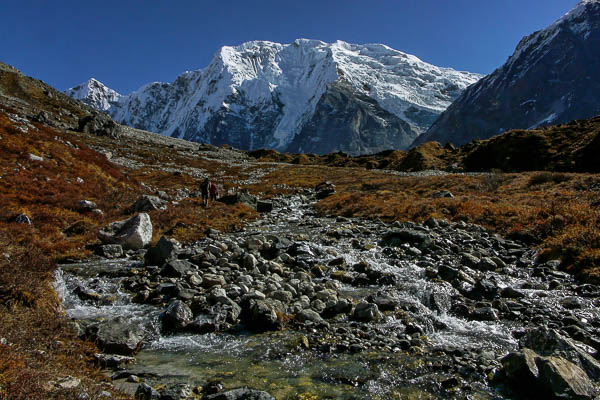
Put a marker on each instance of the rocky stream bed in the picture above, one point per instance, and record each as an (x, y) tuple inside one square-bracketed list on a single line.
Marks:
[(299, 306)]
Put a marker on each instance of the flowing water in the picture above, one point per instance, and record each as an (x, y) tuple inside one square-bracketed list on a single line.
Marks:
[(278, 363)]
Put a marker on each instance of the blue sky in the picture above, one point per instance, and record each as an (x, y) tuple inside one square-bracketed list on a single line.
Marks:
[(128, 43)]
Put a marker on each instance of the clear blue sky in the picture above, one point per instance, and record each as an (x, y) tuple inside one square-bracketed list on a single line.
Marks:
[(128, 43)]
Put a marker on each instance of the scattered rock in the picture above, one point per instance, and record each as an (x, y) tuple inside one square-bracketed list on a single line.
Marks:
[(147, 203), (264, 206), (134, 233), (324, 189)]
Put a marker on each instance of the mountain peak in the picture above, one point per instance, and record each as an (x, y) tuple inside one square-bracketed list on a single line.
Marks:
[(263, 94), (552, 77), (94, 93)]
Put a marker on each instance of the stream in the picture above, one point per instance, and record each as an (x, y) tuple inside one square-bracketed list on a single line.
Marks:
[(364, 309)]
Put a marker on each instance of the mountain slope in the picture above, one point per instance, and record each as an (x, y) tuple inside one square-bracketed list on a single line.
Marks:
[(264, 94), (552, 77)]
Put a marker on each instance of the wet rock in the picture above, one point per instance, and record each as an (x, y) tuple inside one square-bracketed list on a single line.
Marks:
[(176, 317), (366, 312), (550, 377), (210, 280), (165, 249), (241, 394), (397, 237), (385, 302), (548, 342), (447, 273), (324, 189), (179, 391), (440, 302), (264, 206), (261, 317), (572, 303), (484, 289), (111, 250), (484, 314), (309, 315), (146, 392), (563, 379), (134, 233), (511, 293), (176, 268), (118, 336), (147, 203)]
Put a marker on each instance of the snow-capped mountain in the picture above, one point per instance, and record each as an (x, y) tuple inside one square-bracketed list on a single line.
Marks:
[(95, 94), (307, 96), (553, 77)]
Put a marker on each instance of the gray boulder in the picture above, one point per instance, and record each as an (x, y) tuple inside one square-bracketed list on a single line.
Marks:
[(548, 342), (240, 197), (324, 189), (546, 377), (165, 249), (400, 236), (176, 268), (111, 250), (147, 203), (134, 233), (118, 336), (177, 316), (261, 317), (366, 312)]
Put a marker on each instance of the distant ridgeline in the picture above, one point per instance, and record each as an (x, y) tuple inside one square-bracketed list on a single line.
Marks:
[(307, 96)]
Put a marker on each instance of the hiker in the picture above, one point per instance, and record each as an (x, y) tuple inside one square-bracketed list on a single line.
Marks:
[(204, 186), (213, 191)]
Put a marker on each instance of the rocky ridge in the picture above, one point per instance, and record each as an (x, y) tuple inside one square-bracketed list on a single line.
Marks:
[(551, 78)]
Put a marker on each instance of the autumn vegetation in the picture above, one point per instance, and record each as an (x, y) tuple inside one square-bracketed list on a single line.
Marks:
[(554, 212)]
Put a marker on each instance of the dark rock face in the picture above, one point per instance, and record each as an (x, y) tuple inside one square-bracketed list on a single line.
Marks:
[(346, 120), (553, 77), (241, 394)]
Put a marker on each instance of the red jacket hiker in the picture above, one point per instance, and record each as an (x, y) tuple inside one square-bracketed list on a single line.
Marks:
[(213, 190)]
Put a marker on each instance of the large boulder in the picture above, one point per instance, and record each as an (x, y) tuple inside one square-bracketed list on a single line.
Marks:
[(165, 249), (528, 373), (324, 189), (261, 316), (548, 342), (117, 336), (400, 236), (134, 233), (240, 197), (99, 124), (366, 312), (147, 203)]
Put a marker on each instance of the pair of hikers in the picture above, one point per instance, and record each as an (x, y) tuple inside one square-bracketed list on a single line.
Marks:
[(208, 188)]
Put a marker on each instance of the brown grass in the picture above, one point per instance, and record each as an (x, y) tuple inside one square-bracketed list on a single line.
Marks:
[(42, 346)]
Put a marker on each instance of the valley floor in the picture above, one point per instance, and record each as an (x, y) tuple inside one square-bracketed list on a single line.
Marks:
[(45, 174)]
